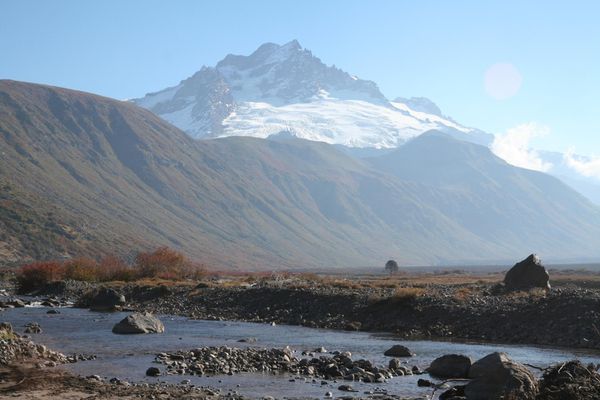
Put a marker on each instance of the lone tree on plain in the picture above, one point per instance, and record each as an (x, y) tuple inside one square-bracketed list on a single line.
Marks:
[(391, 266)]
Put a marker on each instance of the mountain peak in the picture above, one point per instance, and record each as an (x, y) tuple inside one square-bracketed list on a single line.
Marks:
[(285, 87), (267, 53)]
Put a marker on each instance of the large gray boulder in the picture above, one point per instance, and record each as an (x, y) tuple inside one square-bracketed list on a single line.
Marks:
[(106, 299), (496, 377), (139, 323), (527, 274), (450, 366)]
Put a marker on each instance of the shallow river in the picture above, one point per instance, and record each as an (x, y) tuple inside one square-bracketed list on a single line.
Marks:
[(128, 356)]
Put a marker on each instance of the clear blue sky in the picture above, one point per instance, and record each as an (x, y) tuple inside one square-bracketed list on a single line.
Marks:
[(438, 49)]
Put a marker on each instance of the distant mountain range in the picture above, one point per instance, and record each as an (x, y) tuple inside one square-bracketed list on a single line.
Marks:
[(84, 174), (286, 88)]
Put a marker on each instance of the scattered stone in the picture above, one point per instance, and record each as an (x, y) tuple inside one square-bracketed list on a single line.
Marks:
[(139, 323), (228, 360), (346, 388), (16, 303), (398, 351), (33, 327), (394, 364), (496, 377), (52, 312), (527, 274), (13, 348), (6, 328), (450, 366)]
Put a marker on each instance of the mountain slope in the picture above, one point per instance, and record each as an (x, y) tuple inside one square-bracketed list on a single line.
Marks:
[(99, 175), (286, 88), (127, 179), (515, 207)]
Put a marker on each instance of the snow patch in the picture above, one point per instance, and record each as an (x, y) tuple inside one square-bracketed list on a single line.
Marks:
[(353, 123)]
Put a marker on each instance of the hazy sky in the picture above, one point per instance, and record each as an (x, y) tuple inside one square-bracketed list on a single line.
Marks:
[(493, 65)]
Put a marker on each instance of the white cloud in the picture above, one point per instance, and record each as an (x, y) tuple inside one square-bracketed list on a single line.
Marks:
[(513, 146), (586, 166)]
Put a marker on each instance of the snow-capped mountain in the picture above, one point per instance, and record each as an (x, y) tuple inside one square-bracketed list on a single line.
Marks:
[(285, 88)]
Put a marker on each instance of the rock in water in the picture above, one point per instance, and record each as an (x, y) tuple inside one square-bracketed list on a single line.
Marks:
[(398, 351), (527, 274), (106, 300), (496, 377), (139, 323), (152, 371), (450, 366), (33, 327)]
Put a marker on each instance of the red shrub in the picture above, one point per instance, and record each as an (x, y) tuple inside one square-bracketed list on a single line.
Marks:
[(36, 275), (166, 263), (161, 262), (113, 268)]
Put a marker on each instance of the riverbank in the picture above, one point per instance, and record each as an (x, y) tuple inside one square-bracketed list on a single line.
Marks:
[(423, 309)]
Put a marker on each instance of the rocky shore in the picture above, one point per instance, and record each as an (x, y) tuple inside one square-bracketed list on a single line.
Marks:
[(566, 317), (228, 360)]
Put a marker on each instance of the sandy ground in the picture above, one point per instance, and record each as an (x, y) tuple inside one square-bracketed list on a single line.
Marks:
[(26, 382)]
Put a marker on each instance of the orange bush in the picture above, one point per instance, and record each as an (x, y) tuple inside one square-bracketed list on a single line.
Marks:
[(160, 262), (81, 269), (36, 275)]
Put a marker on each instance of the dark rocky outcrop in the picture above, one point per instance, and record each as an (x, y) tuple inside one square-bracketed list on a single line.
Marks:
[(139, 323), (570, 381), (14, 348), (496, 377), (106, 299), (450, 366), (13, 303), (454, 393), (527, 274), (398, 351)]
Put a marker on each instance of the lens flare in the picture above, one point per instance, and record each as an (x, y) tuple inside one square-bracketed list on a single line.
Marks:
[(502, 81)]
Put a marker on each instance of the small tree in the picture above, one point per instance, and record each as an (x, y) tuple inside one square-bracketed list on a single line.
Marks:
[(391, 266)]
